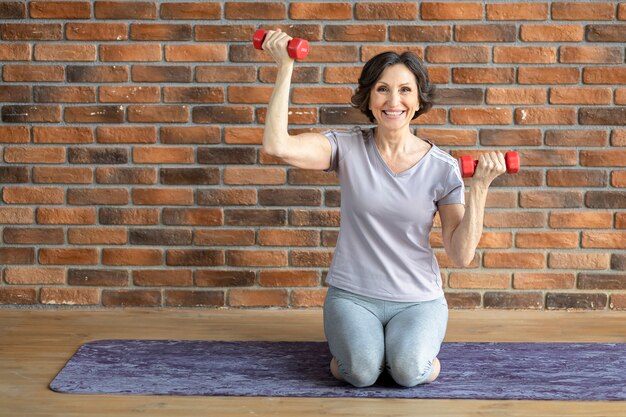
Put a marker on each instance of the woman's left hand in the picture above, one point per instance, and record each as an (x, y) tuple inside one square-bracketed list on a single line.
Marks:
[(490, 166)]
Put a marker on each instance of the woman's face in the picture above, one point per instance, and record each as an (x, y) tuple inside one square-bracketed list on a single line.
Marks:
[(394, 97)]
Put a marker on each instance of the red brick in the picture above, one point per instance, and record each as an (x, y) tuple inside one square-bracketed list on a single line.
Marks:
[(191, 11), (571, 95), (65, 52), (160, 32), (70, 256), (70, 296), (538, 281), (185, 298), (193, 217), (569, 10), (158, 114), (33, 195), (241, 176), (258, 298), (255, 11), (129, 94), (551, 33), (38, 32), (548, 75), (313, 11), (604, 240), (321, 95), (288, 278), (307, 298), (311, 258), (581, 220), (131, 298), (517, 11), (163, 155), (257, 258), (13, 10), (17, 215), (485, 33), (604, 75), (355, 33), (195, 257), (545, 116), (603, 158), (229, 278), (228, 237), (385, 11), (122, 257), (65, 215), (195, 53), (128, 216), (60, 10), (214, 74), (162, 196), (516, 96), (97, 236), (578, 261), (451, 11), (479, 280), (130, 52), (20, 296), (483, 75), (163, 278), (126, 10), (96, 31), (458, 54), (478, 116), (540, 240), (523, 260), (524, 54), (228, 197), (61, 134), (34, 276), (590, 55)]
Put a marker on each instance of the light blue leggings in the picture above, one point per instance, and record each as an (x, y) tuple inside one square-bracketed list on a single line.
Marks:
[(367, 335)]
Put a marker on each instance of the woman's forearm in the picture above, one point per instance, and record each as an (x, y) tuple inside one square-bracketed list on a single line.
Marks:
[(276, 121), (467, 234)]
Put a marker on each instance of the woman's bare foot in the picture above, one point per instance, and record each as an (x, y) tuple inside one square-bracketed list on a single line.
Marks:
[(435, 373), (334, 369)]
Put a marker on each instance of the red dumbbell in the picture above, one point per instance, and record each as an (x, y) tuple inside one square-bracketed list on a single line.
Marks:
[(296, 48), (468, 165)]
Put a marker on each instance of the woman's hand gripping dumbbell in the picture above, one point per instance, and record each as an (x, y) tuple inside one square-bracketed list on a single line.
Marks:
[(493, 165), (296, 48)]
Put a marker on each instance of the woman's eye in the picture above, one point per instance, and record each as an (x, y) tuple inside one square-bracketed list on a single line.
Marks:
[(406, 90), (382, 89)]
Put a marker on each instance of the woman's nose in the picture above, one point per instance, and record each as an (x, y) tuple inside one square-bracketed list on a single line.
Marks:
[(394, 98)]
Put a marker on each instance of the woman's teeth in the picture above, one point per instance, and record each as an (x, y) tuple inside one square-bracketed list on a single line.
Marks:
[(393, 113)]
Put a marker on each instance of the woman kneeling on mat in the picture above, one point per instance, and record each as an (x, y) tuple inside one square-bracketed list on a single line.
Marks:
[(385, 307)]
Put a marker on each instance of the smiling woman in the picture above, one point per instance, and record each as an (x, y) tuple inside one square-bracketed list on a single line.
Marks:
[(372, 74), (385, 308)]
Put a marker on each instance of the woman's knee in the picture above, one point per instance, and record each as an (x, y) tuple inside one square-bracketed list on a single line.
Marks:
[(359, 370), (414, 372)]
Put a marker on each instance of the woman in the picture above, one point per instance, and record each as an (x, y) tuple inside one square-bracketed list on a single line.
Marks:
[(385, 307)]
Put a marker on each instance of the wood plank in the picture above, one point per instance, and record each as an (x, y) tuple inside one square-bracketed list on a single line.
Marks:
[(36, 343)]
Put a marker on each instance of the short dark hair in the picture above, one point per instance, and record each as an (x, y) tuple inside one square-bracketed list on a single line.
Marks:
[(374, 68)]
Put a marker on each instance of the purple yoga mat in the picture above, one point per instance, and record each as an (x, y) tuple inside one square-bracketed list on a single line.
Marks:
[(503, 371)]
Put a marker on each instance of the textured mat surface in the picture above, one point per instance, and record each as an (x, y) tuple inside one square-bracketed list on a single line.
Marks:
[(529, 371)]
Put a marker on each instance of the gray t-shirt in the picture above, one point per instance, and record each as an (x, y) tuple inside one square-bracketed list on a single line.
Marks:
[(383, 249)]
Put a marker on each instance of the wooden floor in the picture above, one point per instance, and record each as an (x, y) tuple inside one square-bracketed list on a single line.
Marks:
[(36, 343)]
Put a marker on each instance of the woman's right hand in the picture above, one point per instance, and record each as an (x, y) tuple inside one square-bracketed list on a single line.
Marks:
[(276, 44)]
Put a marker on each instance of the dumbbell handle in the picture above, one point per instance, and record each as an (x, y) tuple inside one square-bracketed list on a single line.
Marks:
[(468, 165), (296, 48)]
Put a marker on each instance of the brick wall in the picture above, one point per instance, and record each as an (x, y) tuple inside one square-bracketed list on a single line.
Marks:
[(132, 173)]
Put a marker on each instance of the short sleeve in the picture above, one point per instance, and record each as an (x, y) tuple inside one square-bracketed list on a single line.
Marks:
[(334, 144), (453, 188)]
